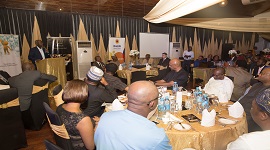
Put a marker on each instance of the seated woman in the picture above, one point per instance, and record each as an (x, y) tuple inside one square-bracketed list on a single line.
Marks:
[(148, 60), (216, 62), (198, 61), (78, 125)]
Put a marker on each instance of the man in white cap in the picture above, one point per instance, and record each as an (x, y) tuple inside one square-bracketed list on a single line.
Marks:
[(97, 96)]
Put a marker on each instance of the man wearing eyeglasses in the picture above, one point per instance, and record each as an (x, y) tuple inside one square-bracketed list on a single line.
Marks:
[(130, 129)]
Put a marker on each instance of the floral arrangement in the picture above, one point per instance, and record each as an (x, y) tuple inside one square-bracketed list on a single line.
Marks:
[(267, 50), (134, 53), (232, 52)]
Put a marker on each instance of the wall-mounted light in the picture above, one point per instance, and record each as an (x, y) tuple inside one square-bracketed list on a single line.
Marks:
[(223, 3)]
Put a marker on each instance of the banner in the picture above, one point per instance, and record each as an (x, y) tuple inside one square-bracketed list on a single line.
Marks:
[(116, 47), (10, 60)]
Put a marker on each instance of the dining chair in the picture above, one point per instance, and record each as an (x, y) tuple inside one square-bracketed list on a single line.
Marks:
[(11, 125), (57, 95), (34, 117), (51, 146), (61, 136), (138, 76)]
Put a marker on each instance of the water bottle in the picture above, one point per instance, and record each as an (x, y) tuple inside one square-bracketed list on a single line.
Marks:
[(205, 103), (167, 104), (130, 66), (188, 103), (175, 87), (173, 105), (161, 108)]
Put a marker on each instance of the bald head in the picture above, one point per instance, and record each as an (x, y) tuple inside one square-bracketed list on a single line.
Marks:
[(142, 97), (175, 64), (28, 66), (219, 73), (264, 76)]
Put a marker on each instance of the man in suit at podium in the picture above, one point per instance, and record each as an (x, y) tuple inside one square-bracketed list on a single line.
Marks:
[(38, 53)]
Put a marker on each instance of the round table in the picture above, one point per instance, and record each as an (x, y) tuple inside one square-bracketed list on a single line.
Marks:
[(199, 137)]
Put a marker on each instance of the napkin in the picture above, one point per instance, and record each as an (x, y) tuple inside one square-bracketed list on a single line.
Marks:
[(117, 105), (208, 118), (148, 67), (120, 67), (236, 110), (172, 117)]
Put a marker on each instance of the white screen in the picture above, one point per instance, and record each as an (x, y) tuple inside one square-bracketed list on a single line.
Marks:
[(154, 44)]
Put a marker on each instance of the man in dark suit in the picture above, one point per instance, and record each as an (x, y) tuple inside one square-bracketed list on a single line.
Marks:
[(98, 63), (163, 67), (260, 66), (24, 83), (38, 53), (4, 77)]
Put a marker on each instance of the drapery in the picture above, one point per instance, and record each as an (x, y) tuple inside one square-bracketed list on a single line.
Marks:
[(229, 24), (170, 9)]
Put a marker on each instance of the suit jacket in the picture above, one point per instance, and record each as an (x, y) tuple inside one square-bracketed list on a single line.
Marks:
[(255, 70), (24, 84), (4, 75), (164, 63), (34, 54), (101, 66), (241, 81)]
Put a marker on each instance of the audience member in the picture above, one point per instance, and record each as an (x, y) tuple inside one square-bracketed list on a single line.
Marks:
[(177, 74), (130, 129), (260, 66), (188, 57), (24, 83), (163, 67), (79, 126), (115, 82), (209, 58), (98, 63), (219, 84), (216, 62), (98, 95), (115, 60), (4, 76), (198, 61), (253, 63), (148, 60), (241, 78), (260, 112), (38, 53), (246, 100)]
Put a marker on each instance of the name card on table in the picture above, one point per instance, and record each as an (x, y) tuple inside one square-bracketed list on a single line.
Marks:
[(179, 100)]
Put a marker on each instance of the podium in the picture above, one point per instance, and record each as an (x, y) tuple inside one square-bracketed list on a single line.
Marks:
[(54, 66)]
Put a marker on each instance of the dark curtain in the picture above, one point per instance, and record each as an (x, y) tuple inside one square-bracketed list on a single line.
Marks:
[(16, 21)]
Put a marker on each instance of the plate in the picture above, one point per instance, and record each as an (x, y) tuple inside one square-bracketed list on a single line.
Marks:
[(180, 128), (227, 121)]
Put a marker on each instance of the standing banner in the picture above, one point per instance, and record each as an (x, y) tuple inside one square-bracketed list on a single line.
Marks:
[(10, 60), (116, 47)]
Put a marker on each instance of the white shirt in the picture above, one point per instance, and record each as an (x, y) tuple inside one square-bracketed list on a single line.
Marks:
[(260, 69), (191, 53), (218, 87), (252, 141), (41, 52)]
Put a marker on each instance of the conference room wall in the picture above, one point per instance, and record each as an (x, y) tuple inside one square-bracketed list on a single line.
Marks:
[(18, 21)]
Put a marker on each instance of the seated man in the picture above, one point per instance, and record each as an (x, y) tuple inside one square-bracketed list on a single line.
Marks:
[(219, 84), (97, 95), (241, 78), (98, 63), (115, 82), (130, 129), (148, 60), (24, 83), (198, 61), (246, 100), (4, 76), (177, 74), (114, 60), (260, 112)]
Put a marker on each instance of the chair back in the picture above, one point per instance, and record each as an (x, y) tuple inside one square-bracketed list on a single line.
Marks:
[(57, 95), (34, 117), (11, 125), (51, 146), (61, 136), (138, 75)]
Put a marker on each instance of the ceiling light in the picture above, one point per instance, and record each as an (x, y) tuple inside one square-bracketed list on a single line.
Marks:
[(223, 3)]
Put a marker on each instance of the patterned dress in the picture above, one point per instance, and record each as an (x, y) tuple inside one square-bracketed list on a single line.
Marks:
[(71, 119)]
